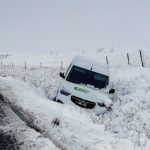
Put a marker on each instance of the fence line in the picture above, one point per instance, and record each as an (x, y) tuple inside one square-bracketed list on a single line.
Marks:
[(133, 59), (139, 58)]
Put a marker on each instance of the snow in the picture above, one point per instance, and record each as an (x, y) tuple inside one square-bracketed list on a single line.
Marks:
[(116, 58), (20, 135), (126, 127), (132, 107), (75, 124)]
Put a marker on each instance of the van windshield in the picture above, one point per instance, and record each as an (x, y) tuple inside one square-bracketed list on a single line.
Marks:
[(83, 76)]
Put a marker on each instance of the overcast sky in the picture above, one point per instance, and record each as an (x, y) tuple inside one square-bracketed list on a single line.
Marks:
[(73, 24)]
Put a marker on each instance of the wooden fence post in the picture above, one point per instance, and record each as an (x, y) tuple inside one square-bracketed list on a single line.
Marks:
[(25, 65), (107, 60), (128, 58), (61, 66), (141, 58)]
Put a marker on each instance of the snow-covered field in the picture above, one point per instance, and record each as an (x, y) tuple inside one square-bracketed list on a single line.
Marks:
[(126, 127), (116, 58)]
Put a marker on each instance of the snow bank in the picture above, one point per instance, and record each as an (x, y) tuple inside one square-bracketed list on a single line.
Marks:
[(126, 127), (75, 129), (130, 118), (46, 79)]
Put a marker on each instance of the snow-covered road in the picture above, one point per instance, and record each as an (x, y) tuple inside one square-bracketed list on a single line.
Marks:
[(15, 134), (7, 139)]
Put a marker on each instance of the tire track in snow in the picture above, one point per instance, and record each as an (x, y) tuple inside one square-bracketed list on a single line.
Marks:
[(29, 121), (7, 139)]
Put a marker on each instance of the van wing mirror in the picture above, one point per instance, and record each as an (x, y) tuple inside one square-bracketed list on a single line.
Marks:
[(111, 91), (62, 75)]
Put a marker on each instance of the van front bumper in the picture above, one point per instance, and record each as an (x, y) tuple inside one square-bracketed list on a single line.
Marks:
[(90, 105)]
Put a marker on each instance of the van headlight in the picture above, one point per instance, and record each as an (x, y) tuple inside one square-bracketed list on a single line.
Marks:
[(64, 91)]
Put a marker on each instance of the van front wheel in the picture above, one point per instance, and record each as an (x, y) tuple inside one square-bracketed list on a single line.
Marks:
[(59, 101)]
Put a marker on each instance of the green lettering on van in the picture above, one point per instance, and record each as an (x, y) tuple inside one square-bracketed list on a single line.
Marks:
[(81, 90)]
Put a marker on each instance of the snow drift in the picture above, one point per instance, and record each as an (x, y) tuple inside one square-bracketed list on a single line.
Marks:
[(75, 129), (127, 126)]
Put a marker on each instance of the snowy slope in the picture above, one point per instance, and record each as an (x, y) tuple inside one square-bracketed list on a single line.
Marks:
[(76, 129), (125, 127)]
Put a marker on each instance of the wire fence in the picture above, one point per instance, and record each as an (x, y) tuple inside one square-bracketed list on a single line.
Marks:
[(139, 58), (113, 60)]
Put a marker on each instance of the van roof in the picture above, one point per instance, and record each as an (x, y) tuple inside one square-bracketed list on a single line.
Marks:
[(88, 63)]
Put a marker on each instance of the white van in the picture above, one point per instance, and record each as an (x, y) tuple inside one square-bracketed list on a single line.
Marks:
[(83, 85)]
